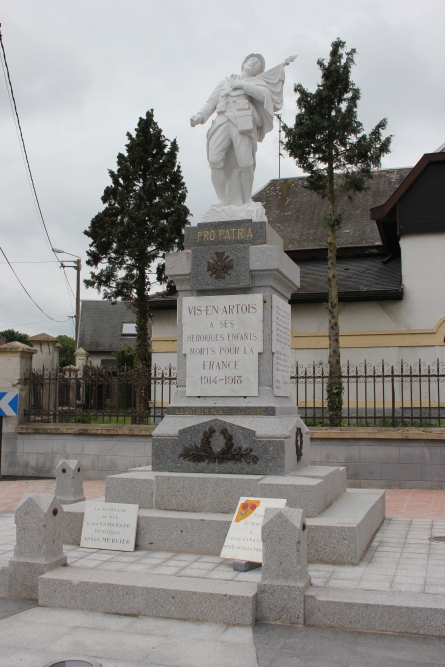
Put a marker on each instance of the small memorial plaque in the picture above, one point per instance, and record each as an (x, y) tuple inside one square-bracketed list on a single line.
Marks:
[(281, 326), (109, 526), (243, 540)]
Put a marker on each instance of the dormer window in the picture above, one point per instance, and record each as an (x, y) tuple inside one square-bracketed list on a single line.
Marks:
[(128, 328)]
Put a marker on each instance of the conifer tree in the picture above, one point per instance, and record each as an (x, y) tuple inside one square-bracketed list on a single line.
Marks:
[(144, 217), (328, 143)]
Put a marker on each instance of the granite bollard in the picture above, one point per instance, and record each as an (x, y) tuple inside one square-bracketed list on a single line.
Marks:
[(284, 577), (39, 545), (69, 479)]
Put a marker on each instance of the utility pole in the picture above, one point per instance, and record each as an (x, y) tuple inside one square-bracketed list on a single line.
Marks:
[(76, 265)]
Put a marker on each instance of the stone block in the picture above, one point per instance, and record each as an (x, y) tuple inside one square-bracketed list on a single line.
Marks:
[(343, 532), (184, 453), (203, 492), (302, 492), (340, 454), (333, 477), (39, 546), (4, 580), (316, 453), (134, 447), (131, 487), (434, 473), (379, 454), (69, 482), (284, 577), (72, 523), (376, 611), (425, 454), (401, 471), (190, 532), (145, 594), (115, 463), (364, 470), (99, 446), (237, 276)]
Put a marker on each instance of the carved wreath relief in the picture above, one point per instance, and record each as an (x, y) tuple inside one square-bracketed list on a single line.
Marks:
[(299, 443), (229, 452), (220, 266)]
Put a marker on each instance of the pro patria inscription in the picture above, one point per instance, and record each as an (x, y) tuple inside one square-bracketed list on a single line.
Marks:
[(222, 339)]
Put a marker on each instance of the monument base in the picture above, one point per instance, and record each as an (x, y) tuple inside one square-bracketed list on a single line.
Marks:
[(234, 445), (253, 210)]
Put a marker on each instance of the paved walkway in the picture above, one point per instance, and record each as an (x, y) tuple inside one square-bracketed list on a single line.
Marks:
[(11, 492), (401, 557), (40, 635)]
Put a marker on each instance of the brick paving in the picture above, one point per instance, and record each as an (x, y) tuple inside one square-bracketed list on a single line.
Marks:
[(415, 503), (11, 492)]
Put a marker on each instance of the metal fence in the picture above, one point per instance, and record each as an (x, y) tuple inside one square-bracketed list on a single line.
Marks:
[(99, 395), (374, 394), (380, 394)]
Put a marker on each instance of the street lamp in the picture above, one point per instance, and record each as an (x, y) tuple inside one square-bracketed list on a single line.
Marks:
[(76, 265)]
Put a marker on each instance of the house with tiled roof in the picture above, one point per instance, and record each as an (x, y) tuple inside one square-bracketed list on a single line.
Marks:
[(104, 329), (391, 268)]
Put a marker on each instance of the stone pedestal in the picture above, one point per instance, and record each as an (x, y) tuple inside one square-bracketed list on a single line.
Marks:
[(69, 479), (39, 545), (284, 577), (232, 412)]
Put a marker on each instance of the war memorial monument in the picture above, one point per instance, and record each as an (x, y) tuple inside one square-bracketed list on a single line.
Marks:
[(233, 431)]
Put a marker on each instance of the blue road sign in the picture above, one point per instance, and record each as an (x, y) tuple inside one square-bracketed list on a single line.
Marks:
[(9, 403)]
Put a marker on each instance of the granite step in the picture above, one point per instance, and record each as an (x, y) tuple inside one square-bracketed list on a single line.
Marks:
[(340, 534), (376, 611), (145, 594), (343, 532), (312, 488)]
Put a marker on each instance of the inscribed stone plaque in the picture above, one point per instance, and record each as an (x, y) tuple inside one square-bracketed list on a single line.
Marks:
[(109, 526), (223, 336), (281, 325), (243, 540), (227, 233), (217, 267)]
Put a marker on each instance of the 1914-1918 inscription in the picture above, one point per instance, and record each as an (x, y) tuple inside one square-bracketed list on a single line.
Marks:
[(223, 336)]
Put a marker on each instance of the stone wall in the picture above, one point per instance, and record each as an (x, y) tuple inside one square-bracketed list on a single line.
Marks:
[(374, 457), (102, 450), (391, 458)]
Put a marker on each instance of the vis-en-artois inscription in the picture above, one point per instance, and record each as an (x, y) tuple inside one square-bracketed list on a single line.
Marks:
[(222, 338)]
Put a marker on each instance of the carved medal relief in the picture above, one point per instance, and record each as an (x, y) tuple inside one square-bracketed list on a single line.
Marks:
[(220, 266), (223, 336)]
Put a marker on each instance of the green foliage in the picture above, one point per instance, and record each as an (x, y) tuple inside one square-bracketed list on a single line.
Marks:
[(144, 217), (328, 143), (12, 336), (66, 354), (327, 137), (126, 356), (334, 396)]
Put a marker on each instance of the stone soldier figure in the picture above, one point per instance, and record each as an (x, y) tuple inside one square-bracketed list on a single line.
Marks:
[(244, 106)]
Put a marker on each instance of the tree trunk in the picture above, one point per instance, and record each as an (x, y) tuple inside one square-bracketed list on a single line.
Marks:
[(143, 356), (335, 383)]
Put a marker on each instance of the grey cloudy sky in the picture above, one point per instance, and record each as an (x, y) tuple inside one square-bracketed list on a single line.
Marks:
[(83, 72)]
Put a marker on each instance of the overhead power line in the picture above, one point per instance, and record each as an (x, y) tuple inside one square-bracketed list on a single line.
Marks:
[(22, 140), (24, 288), (15, 114), (27, 324)]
